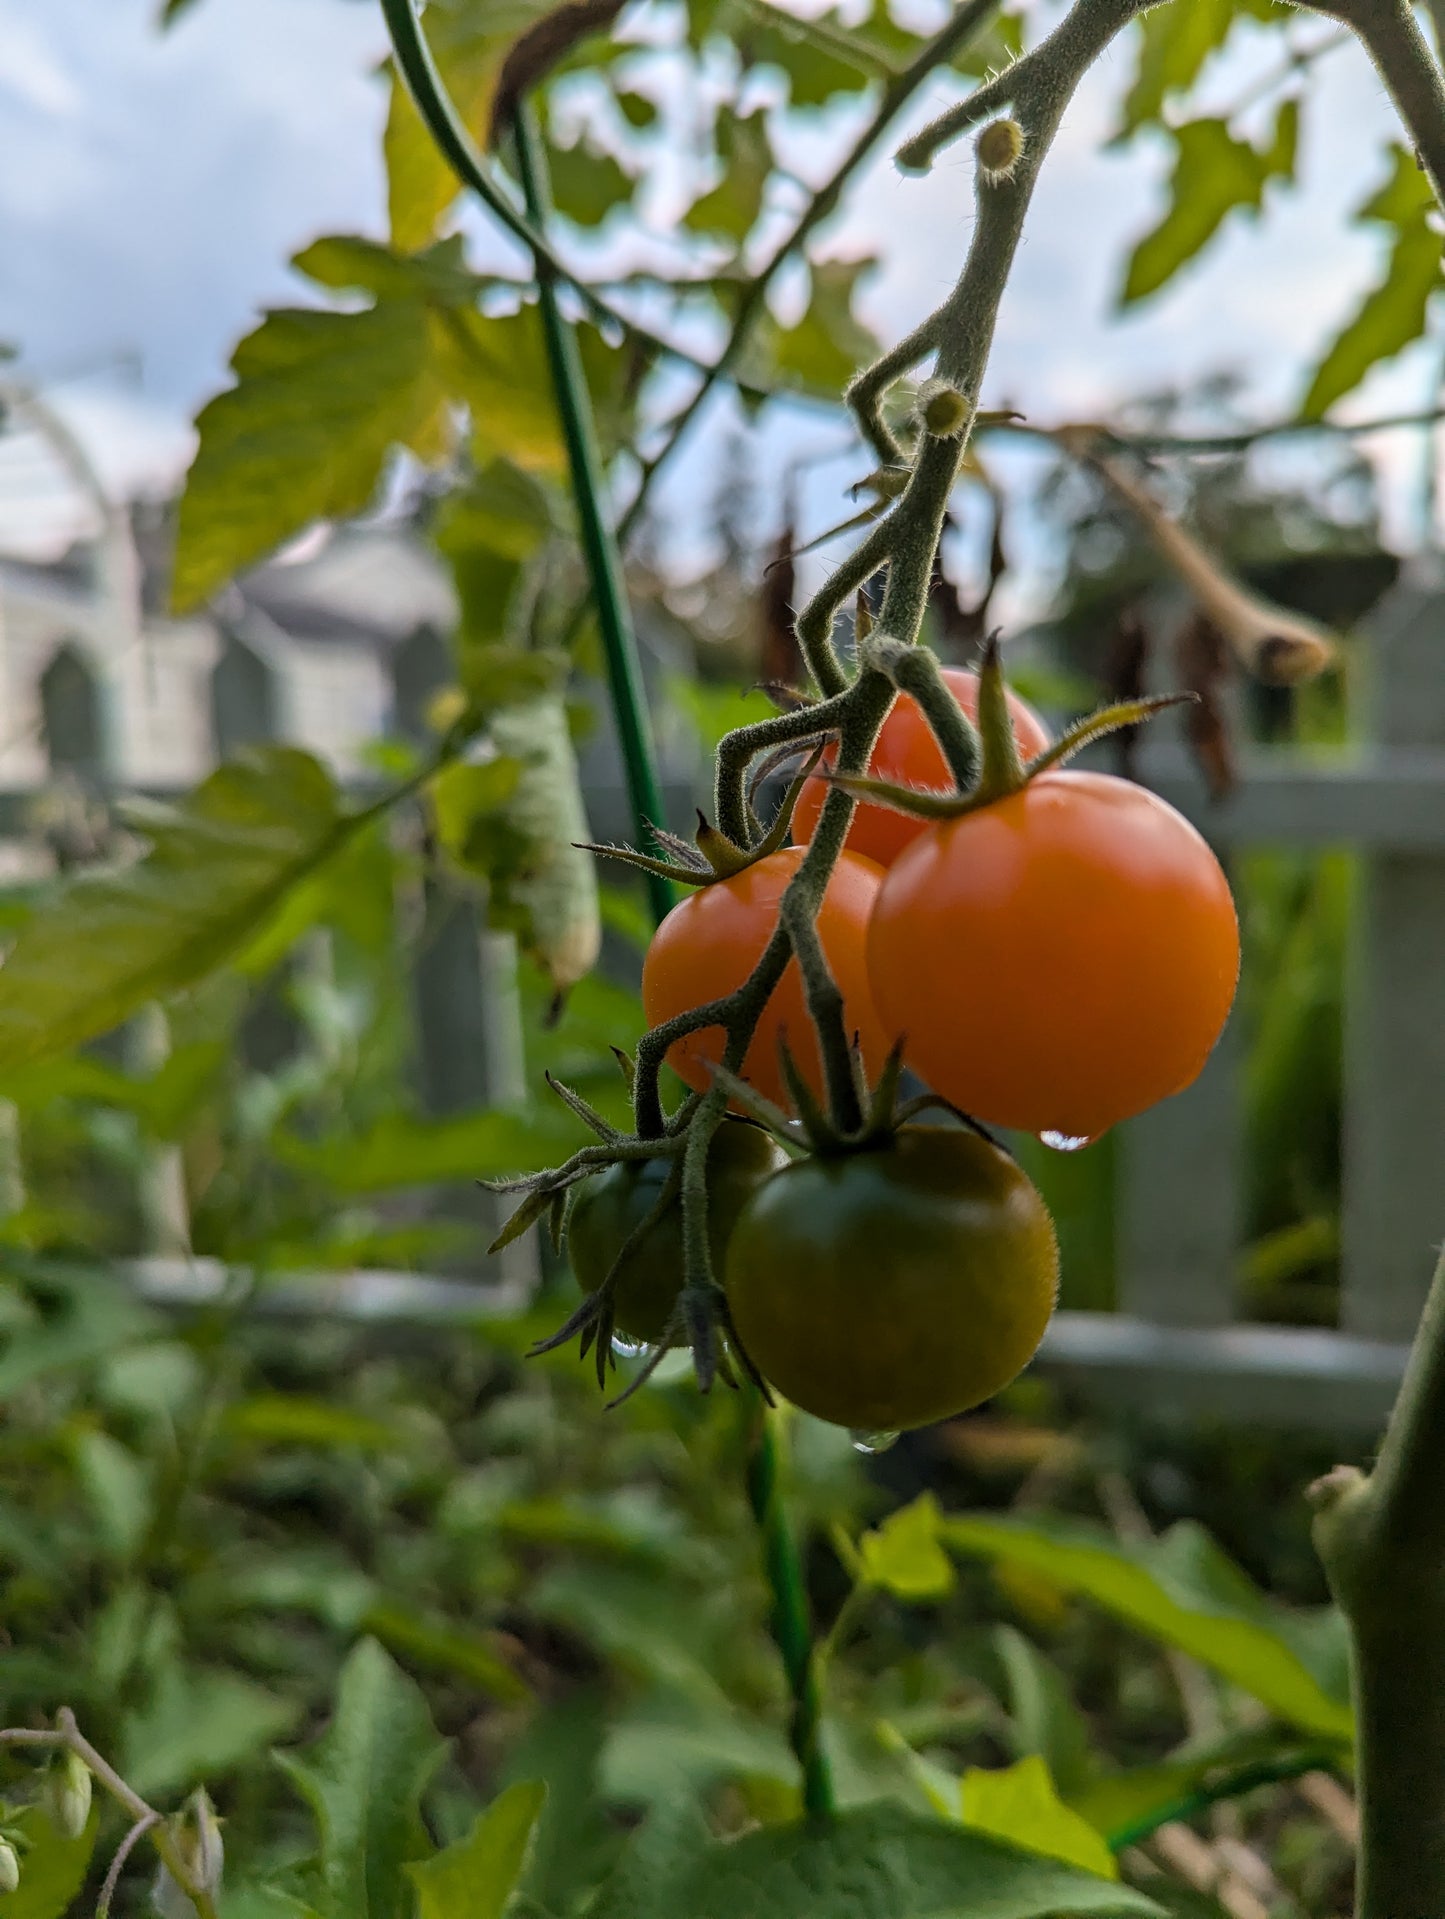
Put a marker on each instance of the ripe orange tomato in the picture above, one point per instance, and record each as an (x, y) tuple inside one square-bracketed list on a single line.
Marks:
[(710, 943), (907, 754), (1060, 959)]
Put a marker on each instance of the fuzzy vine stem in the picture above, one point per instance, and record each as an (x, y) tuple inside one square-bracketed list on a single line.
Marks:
[(1388, 32)]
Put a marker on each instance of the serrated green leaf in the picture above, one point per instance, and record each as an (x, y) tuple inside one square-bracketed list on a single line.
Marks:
[(1182, 1591), (1394, 312), (1214, 174), (903, 1554), (198, 1723), (876, 1863), (1045, 1719), (363, 1780), (118, 1486), (470, 41), (114, 939), (1175, 42), (399, 1151), (731, 207), (475, 1878), (348, 262), (320, 400), (1020, 1804), (53, 1868)]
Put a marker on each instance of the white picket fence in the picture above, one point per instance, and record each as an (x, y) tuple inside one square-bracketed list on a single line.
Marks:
[(1176, 1345)]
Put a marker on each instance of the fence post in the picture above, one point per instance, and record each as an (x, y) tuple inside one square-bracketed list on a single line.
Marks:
[(1179, 1205), (1394, 1106), (464, 980)]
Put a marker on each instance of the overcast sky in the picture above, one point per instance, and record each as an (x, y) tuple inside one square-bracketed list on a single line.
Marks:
[(156, 185)]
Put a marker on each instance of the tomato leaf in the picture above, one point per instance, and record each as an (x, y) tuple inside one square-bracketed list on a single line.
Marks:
[(1213, 175), (878, 1862), (398, 1151), (1045, 1719), (363, 1780), (1182, 1591), (903, 1554), (113, 939), (1175, 42), (54, 1868), (1394, 312), (322, 398), (1020, 1803), (475, 1878), (470, 41)]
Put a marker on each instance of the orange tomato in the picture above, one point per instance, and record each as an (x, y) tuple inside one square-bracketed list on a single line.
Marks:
[(710, 943), (1060, 959), (907, 754)]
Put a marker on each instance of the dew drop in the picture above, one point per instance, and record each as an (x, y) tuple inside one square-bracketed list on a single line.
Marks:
[(870, 1443), (1068, 1142), (626, 1348)]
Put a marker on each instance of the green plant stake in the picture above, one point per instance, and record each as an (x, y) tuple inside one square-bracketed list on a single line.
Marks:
[(791, 1626), (604, 565)]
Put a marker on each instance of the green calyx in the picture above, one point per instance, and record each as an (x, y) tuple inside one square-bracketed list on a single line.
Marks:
[(1001, 772), (711, 855), (817, 1132)]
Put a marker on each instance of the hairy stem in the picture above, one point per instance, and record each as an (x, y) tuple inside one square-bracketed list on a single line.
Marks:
[(1388, 31)]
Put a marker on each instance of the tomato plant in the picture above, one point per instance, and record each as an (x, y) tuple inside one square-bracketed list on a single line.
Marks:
[(908, 754), (709, 944), (615, 1203), (1060, 959), (893, 1286)]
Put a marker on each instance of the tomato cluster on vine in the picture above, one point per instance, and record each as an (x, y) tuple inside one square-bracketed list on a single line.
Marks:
[(1050, 951)]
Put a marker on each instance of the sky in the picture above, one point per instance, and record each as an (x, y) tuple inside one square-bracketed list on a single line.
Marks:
[(163, 182)]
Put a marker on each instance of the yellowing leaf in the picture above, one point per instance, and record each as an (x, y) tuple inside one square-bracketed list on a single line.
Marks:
[(903, 1555), (470, 41), (1020, 1804), (320, 400)]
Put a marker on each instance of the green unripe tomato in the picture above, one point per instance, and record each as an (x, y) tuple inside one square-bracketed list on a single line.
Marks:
[(609, 1206), (890, 1287)]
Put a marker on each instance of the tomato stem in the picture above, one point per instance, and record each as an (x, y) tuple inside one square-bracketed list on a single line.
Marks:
[(791, 1623)]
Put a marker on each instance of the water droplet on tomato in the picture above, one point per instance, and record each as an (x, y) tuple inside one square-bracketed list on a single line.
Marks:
[(626, 1348), (1068, 1142), (866, 1442)]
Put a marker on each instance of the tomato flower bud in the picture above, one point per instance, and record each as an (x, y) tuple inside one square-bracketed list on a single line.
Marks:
[(67, 1795), (999, 148)]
